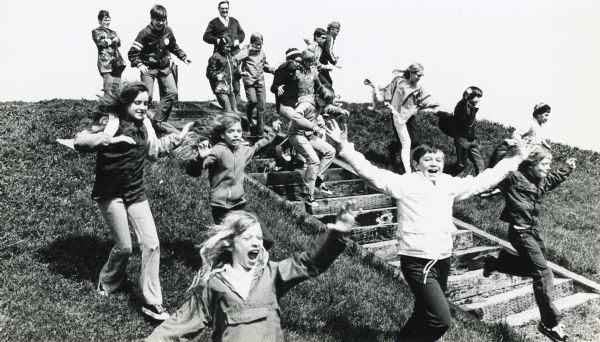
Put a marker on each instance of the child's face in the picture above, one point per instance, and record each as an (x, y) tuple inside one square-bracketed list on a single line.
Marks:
[(256, 46), (431, 165), (247, 247), (321, 40), (540, 170), (159, 23), (415, 77), (474, 101), (233, 135), (543, 118), (138, 108), (105, 22)]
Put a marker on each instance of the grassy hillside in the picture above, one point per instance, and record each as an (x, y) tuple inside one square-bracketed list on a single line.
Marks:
[(53, 242)]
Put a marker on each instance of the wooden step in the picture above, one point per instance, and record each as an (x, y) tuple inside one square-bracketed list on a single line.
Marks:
[(259, 165), (291, 177), (387, 250), (368, 235), (339, 188), (562, 304), (367, 217), (333, 205), (461, 287), (471, 258), (514, 301)]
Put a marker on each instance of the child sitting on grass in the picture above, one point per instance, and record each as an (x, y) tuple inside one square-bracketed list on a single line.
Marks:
[(523, 190), (238, 289), (225, 162), (424, 201)]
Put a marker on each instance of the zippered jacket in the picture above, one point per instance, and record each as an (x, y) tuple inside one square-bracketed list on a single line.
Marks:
[(152, 47), (523, 193), (219, 64), (226, 171), (424, 209), (256, 318), (106, 52)]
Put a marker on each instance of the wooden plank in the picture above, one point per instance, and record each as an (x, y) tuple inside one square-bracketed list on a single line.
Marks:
[(461, 287), (296, 176), (562, 304), (332, 205), (339, 188), (578, 279)]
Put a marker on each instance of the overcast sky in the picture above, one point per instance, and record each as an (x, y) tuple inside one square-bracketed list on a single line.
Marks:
[(520, 52)]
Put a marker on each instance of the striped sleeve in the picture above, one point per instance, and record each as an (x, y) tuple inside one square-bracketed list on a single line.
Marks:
[(135, 52)]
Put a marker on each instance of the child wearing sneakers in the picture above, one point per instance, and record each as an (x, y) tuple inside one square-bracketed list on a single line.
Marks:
[(225, 162), (424, 199), (523, 191), (120, 193), (238, 289)]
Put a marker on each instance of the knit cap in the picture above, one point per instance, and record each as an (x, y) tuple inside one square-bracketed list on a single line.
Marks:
[(292, 54)]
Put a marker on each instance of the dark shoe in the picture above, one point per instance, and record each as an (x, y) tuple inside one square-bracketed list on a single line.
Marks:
[(556, 334), (489, 265), (155, 311), (325, 190), (309, 199)]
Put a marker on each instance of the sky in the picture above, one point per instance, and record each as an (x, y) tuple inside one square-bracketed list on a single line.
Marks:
[(519, 52)]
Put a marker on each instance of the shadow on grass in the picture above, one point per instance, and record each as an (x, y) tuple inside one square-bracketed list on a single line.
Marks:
[(344, 330), (76, 257), (185, 251)]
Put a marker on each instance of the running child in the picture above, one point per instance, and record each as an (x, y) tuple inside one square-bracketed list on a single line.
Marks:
[(424, 199), (238, 289), (225, 162), (523, 190), (219, 72), (121, 196)]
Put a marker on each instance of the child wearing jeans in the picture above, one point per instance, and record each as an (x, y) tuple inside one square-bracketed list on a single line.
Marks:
[(238, 289), (523, 191), (424, 199), (225, 162), (253, 63), (120, 193)]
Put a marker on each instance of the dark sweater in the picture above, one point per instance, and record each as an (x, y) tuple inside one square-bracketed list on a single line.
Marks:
[(216, 29), (464, 119)]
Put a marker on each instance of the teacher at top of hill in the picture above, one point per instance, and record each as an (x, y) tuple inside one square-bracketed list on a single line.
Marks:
[(223, 24)]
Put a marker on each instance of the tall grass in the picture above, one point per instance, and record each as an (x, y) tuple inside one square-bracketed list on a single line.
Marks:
[(53, 243)]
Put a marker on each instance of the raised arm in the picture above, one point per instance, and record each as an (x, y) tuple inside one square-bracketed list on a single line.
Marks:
[(319, 256), (555, 178)]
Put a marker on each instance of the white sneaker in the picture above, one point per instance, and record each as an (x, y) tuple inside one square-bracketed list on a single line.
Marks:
[(155, 311), (556, 334)]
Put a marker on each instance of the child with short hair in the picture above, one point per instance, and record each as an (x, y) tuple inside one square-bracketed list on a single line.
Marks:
[(523, 190), (219, 72), (238, 289), (150, 54), (225, 162), (424, 199), (465, 141), (121, 196), (285, 86), (253, 64)]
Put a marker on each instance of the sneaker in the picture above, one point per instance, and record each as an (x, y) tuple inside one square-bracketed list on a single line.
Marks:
[(155, 311), (101, 290), (488, 265), (325, 190), (308, 198), (555, 334), (489, 193)]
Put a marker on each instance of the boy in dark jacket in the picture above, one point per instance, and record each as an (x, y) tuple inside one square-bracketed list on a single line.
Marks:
[(150, 54), (465, 141), (523, 190)]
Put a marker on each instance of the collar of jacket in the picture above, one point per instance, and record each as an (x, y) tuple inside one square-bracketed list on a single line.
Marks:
[(155, 29)]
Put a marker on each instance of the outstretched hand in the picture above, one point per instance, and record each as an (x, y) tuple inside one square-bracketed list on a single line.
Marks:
[(335, 133), (204, 149), (185, 130), (346, 218), (524, 147), (122, 138), (276, 125), (572, 162)]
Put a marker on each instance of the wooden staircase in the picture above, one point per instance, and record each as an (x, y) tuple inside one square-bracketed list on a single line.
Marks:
[(498, 298)]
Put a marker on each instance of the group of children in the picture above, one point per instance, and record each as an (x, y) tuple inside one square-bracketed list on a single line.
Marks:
[(236, 292)]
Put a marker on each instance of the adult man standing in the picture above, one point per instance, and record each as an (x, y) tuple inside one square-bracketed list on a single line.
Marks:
[(217, 28), (327, 55)]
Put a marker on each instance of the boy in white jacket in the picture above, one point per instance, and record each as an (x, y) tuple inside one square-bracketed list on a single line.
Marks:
[(424, 202)]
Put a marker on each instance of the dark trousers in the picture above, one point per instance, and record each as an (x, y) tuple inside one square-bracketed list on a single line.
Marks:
[(167, 89), (325, 77), (531, 262), (428, 280), (218, 213), (467, 149)]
